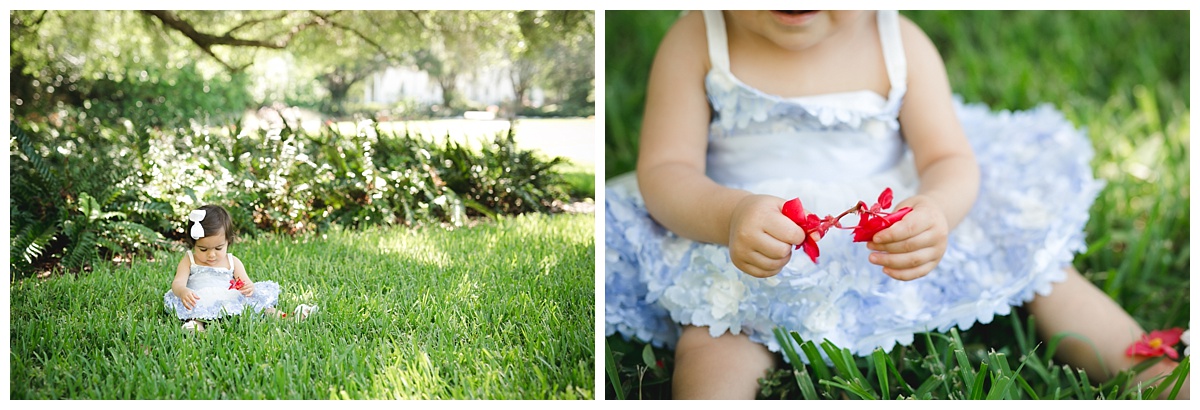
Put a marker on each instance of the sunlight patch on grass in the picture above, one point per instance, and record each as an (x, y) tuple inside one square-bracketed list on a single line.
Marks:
[(416, 247), (408, 377)]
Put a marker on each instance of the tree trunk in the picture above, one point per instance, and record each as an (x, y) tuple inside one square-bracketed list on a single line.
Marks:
[(449, 84)]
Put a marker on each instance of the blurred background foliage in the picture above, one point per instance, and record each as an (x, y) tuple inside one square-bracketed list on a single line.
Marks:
[(217, 63), (124, 120)]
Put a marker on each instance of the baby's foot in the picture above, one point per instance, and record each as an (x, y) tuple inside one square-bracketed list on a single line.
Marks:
[(302, 311), (275, 313), (193, 325)]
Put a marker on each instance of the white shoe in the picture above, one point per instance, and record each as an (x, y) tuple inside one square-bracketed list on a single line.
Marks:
[(193, 325), (302, 311)]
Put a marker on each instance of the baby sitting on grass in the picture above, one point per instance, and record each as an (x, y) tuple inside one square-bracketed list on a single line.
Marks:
[(210, 283)]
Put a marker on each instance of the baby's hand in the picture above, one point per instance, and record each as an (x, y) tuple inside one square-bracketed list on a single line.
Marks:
[(188, 298), (247, 288), (761, 238), (913, 246)]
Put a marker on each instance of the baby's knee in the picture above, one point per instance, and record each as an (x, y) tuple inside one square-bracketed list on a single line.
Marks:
[(698, 340)]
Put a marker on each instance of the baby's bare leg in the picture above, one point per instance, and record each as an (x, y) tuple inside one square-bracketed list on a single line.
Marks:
[(1077, 306), (725, 367)]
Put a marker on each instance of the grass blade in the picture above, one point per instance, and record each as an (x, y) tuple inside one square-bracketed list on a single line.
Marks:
[(925, 390), (807, 389), (1028, 389), (814, 358), (799, 370), (976, 389), (1180, 374), (1073, 382), (851, 387), (610, 368), (843, 361), (881, 361)]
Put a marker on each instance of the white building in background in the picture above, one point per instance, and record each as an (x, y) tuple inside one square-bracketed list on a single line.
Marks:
[(489, 86)]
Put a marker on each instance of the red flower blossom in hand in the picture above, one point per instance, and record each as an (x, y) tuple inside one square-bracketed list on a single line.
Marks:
[(1157, 343), (236, 283), (872, 223), (814, 227), (873, 219)]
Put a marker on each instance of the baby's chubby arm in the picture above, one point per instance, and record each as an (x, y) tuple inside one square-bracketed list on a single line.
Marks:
[(239, 272), (179, 284), (944, 160), (672, 157)]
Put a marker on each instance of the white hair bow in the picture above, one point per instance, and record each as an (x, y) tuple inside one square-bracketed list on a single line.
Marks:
[(197, 230)]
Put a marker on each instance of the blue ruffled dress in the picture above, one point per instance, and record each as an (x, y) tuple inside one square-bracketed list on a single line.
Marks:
[(831, 151), (211, 284)]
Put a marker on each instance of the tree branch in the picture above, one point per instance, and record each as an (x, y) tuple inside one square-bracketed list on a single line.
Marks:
[(249, 23), (351, 30), (417, 16), (205, 40)]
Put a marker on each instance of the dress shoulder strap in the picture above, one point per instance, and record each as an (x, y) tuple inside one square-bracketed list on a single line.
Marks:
[(893, 53), (230, 255), (718, 43), (191, 258)]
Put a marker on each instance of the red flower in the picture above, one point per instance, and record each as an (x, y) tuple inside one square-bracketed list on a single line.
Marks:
[(872, 223), (873, 219), (236, 283), (1157, 343), (814, 227)]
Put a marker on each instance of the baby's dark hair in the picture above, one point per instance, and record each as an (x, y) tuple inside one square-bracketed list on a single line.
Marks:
[(216, 220)]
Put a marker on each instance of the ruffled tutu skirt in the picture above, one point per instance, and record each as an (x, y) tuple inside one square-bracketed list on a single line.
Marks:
[(1026, 225), (217, 302)]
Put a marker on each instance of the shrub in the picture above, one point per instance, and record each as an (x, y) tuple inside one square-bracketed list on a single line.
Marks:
[(103, 191)]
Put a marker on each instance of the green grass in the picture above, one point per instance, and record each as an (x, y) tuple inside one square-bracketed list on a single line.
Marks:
[(500, 310), (1121, 76)]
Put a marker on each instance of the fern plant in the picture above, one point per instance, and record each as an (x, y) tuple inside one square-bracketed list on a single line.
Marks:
[(75, 203)]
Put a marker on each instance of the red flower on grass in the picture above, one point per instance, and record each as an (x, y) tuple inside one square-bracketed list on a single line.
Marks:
[(871, 220), (1157, 343), (236, 283)]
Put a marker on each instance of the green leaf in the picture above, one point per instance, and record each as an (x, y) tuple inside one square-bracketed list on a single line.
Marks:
[(648, 357)]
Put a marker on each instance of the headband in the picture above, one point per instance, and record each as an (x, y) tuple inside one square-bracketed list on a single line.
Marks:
[(197, 230)]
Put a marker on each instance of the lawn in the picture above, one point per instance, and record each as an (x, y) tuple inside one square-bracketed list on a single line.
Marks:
[(1121, 76), (501, 310)]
